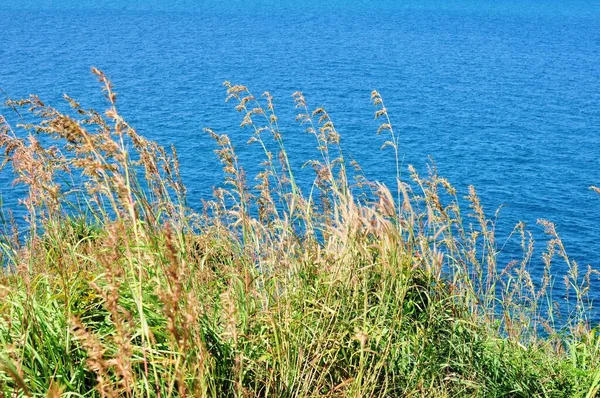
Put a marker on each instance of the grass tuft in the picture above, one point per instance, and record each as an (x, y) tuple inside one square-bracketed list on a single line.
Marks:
[(117, 288)]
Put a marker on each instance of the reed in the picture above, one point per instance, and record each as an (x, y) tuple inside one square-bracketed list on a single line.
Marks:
[(118, 288)]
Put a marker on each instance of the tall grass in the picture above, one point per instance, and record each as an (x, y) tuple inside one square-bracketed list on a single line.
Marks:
[(347, 288)]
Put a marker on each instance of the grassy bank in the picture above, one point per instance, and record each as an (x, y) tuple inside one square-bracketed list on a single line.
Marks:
[(347, 288)]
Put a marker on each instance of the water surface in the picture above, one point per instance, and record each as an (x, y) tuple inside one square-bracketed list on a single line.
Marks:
[(502, 96)]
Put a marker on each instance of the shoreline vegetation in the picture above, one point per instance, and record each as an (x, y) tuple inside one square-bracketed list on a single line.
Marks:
[(347, 288)]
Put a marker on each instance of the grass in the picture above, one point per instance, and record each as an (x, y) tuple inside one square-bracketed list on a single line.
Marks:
[(347, 288)]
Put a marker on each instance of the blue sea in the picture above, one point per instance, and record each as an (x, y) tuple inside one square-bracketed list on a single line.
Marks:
[(503, 95)]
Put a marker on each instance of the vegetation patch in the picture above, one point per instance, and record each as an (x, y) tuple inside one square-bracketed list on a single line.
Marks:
[(346, 288)]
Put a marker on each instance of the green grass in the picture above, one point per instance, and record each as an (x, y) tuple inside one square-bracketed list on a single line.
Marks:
[(351, 290)]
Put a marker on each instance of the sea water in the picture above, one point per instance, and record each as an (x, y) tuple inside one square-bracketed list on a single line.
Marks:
[(501, 95)]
